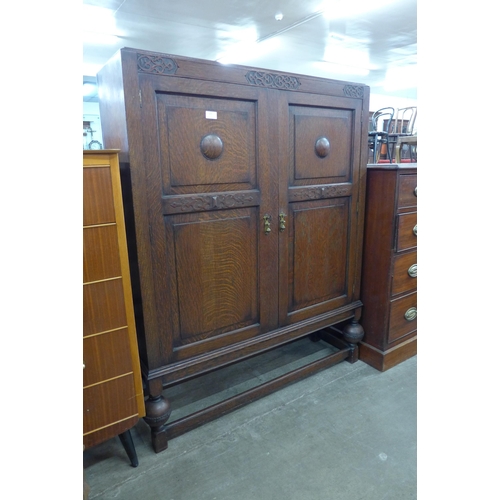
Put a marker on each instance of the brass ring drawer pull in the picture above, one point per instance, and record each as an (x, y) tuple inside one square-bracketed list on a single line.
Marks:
[(415, 230), (412, 271), (411, 314)]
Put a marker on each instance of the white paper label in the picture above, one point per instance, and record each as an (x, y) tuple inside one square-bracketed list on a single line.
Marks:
[(211, 115)]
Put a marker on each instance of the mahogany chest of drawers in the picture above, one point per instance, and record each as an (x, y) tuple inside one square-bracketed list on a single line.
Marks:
[(389, 275)]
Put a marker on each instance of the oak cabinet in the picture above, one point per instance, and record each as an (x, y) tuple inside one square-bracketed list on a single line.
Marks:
[(245, 197)]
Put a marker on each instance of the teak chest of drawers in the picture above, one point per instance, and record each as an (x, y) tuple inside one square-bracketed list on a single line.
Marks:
[(389, 276), (113, 398)]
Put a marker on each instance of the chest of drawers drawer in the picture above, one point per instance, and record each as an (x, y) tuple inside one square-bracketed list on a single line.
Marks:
[(106, 356), (403, 316), (404, 273), (407, 191), (406, 236)]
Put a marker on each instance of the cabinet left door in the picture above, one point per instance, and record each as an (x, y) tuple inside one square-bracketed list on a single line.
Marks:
[(113, 398), (205, 204)]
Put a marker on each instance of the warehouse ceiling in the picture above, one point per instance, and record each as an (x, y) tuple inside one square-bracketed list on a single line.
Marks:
[(355, 40)]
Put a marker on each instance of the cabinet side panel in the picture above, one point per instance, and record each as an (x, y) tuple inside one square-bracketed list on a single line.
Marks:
[(377, 251)]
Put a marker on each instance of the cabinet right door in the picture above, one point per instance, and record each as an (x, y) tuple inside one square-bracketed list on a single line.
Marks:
[(319, 188)]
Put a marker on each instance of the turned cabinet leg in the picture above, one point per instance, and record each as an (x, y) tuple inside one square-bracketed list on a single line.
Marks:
[(157, 413), (353, 333), (128, 443)]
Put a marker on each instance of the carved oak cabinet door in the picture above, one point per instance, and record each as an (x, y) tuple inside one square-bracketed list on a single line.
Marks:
[(209, 187), (319, 195)]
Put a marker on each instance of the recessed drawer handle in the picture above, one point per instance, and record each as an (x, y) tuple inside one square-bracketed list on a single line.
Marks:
[(411, 314), (415, 230), (412, 271)]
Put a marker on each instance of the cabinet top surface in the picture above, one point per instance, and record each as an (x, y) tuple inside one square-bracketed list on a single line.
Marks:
[(391, 166), (160, 64), (100, 151)]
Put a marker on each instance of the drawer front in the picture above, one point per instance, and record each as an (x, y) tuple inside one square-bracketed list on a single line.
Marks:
[(109, 402), (98, 204), (401, 320), (406, 231), (103, 307), (101, 255), (106, 356), (404, 275), (407, 192)]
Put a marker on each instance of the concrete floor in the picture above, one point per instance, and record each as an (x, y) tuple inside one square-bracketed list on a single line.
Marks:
[(346, 433)]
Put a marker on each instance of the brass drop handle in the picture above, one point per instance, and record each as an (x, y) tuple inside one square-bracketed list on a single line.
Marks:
[(415, 230), (282, 222), (412, 271), (267, 224), (411, 314)]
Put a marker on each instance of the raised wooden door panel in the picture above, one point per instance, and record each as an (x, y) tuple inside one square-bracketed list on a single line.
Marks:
[(320, 144), (322, 134), (208, 187), (317, 242), (206, 142), (214, 294)]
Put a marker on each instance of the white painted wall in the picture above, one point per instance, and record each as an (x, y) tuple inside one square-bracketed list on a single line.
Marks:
[(378, 101)]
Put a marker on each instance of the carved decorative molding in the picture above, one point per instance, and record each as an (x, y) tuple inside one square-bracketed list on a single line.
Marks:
[(202, 203), (319, 192), (353, 91), (272, 80), (158, 65)]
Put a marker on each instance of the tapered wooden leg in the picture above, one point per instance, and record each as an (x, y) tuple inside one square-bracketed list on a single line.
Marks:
[(128, 444), (157, 413)]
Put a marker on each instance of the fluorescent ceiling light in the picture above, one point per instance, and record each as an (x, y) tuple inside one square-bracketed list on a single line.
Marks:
[(93, 38), (341, 69), (246, 50), (99, 26), (401, 77), (337, 53), (337, 9)]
